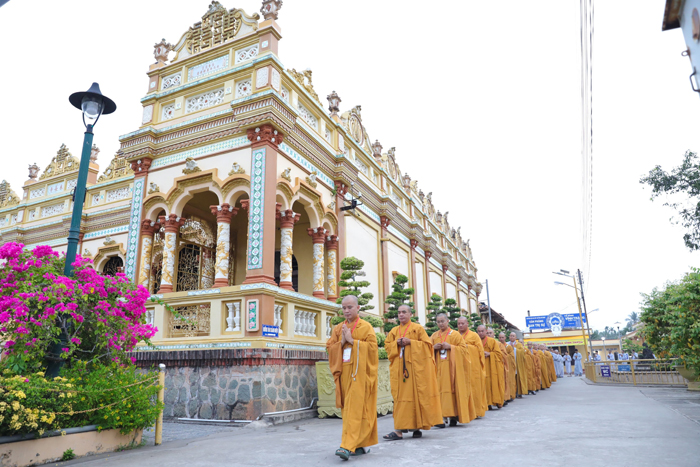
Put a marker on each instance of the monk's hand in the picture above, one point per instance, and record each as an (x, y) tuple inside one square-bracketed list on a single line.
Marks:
[(445, 346), (342, 334), (437, 346), (347, 335), (486, 354), (406, 341)]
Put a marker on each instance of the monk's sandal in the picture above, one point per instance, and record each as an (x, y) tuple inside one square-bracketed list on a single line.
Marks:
[(360, 451), (343, 453)]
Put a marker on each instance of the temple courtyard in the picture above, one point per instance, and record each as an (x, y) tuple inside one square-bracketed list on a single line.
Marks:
[(572, 424)]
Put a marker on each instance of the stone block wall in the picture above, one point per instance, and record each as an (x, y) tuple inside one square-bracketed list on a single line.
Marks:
[(234, 384)]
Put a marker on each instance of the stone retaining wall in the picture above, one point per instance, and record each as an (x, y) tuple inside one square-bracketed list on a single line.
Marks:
[(234, 384)]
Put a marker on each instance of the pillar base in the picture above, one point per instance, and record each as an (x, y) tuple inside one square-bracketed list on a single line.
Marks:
[(220, 282), (321, 295), (286, 285), (260, 278), (165, 288), (332, 298)]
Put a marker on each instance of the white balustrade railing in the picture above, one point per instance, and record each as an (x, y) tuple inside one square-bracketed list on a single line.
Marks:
[(304, 323), (329, 328), (234, 316), (278, 317)]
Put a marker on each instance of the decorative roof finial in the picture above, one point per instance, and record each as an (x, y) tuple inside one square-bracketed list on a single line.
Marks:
[(161, 50), (33, 171), (270, 9), (94, 153), (377, 150), (333, 103)]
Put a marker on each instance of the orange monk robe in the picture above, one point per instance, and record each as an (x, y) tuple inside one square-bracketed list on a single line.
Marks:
[(494, 372), (477, 372), (511, 371), (416, 395), (506, 370), (552, 371), (355, 383), (537, 373), (521, 375), (544, 372), (453, 376)]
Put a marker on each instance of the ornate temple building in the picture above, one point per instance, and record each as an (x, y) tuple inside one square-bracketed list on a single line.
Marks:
[(227, 203)]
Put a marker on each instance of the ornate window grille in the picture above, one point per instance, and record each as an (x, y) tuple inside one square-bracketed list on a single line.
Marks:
[(203, 101), (188, 267), (193, 321), (307, 116), (244, 88), (168, 112), (114, 265), (247, 53), (172, 81)]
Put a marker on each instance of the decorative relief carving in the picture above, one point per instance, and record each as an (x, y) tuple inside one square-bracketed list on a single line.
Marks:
[(287, 174), (218, 25), (47, 211), (118, 193), (153, 188), (190, 166), (161, 50), (147, 114), (247, 53), (261, 76), (71, 184), (207, 68), (109, 241), (171, 81), (236, 169), (7, 196), (311, 179), (62, 162), (37, 193), (117, 168), (244, 88), (265, 133), (276, 79), (168, 112), (206, 100), (307, 116), (305, 81), (284, 92), (270, 9), (333, 103)]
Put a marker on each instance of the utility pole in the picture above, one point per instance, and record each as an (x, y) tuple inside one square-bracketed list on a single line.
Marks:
[(585, 313), (488, 300)]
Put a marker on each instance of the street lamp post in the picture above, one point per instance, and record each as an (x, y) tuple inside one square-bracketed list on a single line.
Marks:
[(93, 104), (578, 301), (605, 351)]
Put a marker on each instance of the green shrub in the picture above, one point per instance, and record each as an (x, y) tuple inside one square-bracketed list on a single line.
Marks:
[(68, 455), (382, 354), (374, 321)]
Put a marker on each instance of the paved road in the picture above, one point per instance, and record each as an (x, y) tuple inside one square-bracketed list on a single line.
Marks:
[(572, 424)]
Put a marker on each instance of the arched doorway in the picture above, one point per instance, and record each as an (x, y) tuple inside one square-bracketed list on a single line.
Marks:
[(295, 271), (113, 265)]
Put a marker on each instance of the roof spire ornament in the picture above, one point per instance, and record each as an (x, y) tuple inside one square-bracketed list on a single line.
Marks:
[(161, 50), (270, 9), (94, 152), (33, 171), (333, 103), (377, 150)]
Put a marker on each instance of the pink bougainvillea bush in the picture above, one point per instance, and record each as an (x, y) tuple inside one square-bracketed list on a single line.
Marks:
[(103, 316)]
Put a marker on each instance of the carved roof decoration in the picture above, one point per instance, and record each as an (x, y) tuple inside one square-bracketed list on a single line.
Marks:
[(218, 26), (63, 162), (304, 80), (119, 167), (7, 195), (352, 122)]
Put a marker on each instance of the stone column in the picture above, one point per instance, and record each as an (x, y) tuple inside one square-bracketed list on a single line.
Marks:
[(341, 190), (459, 295), (287, 220), (140, 167), (223, 214), (445, 268), (147, 229), (172, 225), (428, 292), (386, 272), (332, 266), (318, 235), (470, 285)]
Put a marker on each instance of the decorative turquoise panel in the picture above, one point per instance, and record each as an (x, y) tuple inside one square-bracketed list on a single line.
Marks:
[(134, 228), (256, 209)]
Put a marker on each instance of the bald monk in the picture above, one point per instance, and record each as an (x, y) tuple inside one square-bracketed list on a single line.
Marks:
[(531, 388), (510, 357), (354, 362), (520, 366), (506, 382), (477, 368), (413, 378), (494, 370), (452, 364), (544, 372)]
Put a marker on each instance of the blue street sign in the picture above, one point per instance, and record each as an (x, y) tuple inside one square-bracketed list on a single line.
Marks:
[(623, 368), (605, 371), (571, 320), (270, 331)]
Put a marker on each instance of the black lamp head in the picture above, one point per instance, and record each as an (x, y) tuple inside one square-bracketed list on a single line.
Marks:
[(108, 105)]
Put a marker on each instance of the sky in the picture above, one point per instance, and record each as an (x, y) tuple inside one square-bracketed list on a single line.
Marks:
[(480, 99)]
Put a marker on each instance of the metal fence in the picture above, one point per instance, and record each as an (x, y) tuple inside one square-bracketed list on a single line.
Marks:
[(636, 372)]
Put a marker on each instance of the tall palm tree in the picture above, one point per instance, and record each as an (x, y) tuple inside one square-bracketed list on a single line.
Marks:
[(632, 319)]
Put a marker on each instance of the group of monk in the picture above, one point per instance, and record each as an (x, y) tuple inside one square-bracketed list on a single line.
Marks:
[(451, 377)]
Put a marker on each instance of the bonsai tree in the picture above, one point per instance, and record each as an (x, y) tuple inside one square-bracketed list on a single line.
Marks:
[(352, 269), (474, 321), (452, 311), (434, 306), (401, 295)]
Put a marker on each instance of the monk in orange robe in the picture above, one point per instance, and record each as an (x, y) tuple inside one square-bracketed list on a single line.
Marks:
[(550, 360), (531, 386), (452, 364), (537, 377), (520, 366), (477, 369), (413, 378), (544, 371), (510, 371), (506, 382), (494, 369), (354, 361)]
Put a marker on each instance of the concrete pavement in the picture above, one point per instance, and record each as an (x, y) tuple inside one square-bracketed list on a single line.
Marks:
[(571, 424)]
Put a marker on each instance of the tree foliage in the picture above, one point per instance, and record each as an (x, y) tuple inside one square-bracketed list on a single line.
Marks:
[(353, 285), (684, 179), (434, 307), (453, 311), (400, 295), (671, 318), (629, 346)]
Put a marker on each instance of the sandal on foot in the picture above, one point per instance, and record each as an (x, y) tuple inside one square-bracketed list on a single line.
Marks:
[(392, 437), (360, 451), (417, 434), (343, 453)]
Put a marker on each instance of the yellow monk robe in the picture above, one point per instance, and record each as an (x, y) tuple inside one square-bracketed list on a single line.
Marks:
[(506, 371), (552, 371), (453, 376), (511, 371), (521, 375), (494, 372), (355, 383), (416, 395), (477, 372), (530, 370), (544, 372), (537, 373)]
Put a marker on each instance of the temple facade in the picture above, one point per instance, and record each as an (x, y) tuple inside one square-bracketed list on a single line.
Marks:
[(227, 204)]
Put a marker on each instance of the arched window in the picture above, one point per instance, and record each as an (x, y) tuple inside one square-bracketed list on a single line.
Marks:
[(113, 266), (295, 271)]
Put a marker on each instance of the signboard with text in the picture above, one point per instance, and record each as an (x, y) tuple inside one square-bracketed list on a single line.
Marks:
[(605, 371), (571, 320), (270, 331)]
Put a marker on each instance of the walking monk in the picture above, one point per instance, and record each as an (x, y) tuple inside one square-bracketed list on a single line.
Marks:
[(509, 356), (552, 365), (452, 364), (506, 386), (536, 382), (354, 361), (520, 366), (477, 368), (413, 378), (544, 367), (494, 369)]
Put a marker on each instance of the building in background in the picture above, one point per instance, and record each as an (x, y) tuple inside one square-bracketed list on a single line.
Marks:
[(226, 204), (685, 14)]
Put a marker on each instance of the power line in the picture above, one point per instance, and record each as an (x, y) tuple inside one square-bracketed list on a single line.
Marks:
[(586, 29)]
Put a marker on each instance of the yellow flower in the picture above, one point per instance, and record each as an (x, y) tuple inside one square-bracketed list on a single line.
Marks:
[(15, 405), (39, 373), (20, 394), (106, 417), (82, 398)]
